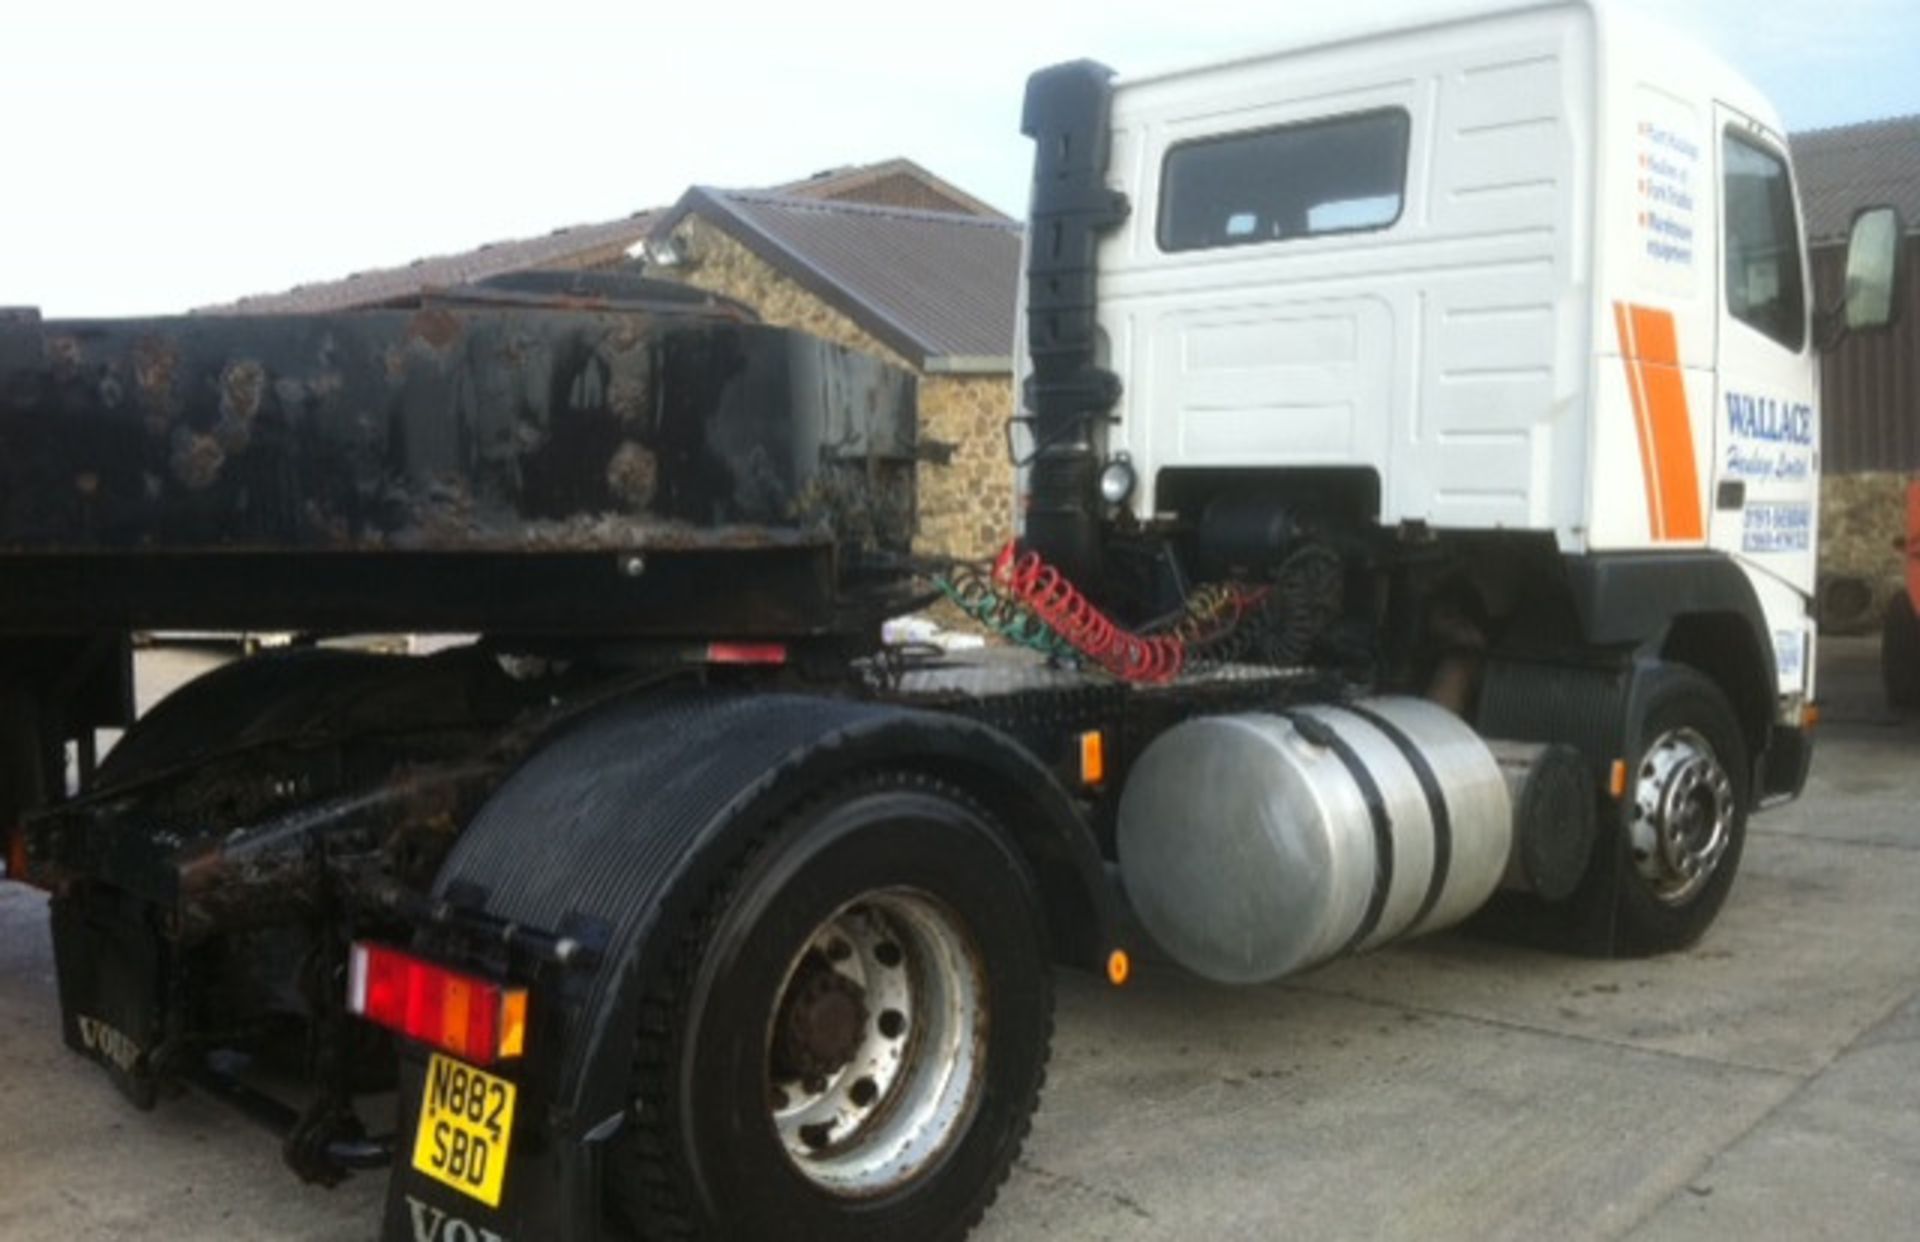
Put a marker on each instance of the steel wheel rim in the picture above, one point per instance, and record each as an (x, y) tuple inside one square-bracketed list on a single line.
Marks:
[(1683, 812), (864, 1100)]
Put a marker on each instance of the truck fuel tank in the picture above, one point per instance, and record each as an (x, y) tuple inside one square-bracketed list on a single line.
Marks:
[(1257, 845)]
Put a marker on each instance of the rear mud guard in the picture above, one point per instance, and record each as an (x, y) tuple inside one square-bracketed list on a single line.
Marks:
[(623, 824)]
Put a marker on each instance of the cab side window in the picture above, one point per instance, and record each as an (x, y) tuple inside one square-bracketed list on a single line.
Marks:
[(1762, 243), (1344, 174)]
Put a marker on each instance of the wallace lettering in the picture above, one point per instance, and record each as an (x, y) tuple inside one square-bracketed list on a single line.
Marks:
[(1764, 418)]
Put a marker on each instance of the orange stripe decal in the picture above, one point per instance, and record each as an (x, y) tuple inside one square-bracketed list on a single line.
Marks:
[(1666, 386), (1636, 389), (1651, 353)]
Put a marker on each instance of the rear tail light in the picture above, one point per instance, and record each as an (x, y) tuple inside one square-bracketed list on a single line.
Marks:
[(747, 653), (473, 1018)]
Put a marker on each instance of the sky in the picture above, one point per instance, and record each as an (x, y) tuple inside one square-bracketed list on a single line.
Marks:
[(160, 156)]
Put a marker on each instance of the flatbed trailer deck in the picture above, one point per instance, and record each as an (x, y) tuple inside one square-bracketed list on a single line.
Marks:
[(567, 458)]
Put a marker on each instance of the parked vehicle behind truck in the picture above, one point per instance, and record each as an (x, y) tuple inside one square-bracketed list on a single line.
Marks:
[(1418, 471)]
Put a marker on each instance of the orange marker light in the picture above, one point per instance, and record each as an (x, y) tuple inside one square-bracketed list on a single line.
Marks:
[(513, 1023), (1093, 757), (1809, 716), (456, 1015), (1119, 968), (1617, 780)]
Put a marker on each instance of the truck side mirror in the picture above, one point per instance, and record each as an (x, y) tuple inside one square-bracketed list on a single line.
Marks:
[(1876, 260)]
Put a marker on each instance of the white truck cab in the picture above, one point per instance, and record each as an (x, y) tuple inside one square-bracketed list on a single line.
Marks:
[(1516, 291)]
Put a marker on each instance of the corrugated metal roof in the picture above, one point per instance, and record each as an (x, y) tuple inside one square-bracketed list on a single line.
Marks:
[(596, 245), (581, 245), (1852, 166), (932, 285), (890, 183)]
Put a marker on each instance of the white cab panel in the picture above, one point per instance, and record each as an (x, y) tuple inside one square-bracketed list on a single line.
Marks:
[(1447, 350)]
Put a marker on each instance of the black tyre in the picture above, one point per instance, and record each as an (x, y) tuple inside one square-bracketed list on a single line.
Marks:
[(1685, 814), (215, 709), (1900, 653), (855, 1035)]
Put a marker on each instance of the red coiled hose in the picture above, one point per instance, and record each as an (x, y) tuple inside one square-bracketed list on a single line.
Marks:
[(1044, 590)]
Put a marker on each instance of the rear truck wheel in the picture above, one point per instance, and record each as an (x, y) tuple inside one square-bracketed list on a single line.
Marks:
[(1900, 653), (1685, 813), (852, 1038)]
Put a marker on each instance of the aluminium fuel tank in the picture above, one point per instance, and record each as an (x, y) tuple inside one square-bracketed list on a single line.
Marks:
[(1257, 845)]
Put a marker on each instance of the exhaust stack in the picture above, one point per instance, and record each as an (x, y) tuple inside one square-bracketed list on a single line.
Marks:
[(1067, 390)]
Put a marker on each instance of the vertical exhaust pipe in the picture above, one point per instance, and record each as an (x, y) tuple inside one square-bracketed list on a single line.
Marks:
[(1067, 391)]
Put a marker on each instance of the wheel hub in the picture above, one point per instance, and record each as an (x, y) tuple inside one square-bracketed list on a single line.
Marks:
[(1683, 813), (876, 1045), (820, 1027)]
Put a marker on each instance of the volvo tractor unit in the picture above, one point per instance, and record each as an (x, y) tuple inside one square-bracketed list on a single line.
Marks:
[(1417, 448)]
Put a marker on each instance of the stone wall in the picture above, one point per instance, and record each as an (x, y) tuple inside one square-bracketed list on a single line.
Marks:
[(966, 504), (1860, 517), (722, 265)]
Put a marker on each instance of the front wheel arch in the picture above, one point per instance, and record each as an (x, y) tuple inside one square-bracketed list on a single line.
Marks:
[(1722, 648)]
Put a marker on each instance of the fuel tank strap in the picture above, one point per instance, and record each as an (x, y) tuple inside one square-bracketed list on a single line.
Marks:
[(1318, 733), (1436, 806)]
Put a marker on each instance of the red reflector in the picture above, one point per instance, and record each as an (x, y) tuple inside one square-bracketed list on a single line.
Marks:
[(455, 1012), (746, 653)]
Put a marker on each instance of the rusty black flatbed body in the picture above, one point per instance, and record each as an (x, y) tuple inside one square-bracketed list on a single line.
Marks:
[(574, 456)]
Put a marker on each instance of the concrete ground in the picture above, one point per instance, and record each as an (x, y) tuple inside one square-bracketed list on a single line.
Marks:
[(1764, 1085)]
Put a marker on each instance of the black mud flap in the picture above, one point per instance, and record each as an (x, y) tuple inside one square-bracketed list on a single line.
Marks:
[(1590, 708), (1781, 769), (111, 965), (548, 1180)]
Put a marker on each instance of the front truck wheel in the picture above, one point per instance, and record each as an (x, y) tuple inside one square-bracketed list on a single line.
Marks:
[(1900, 653), (1685, 813), (853, 1036)]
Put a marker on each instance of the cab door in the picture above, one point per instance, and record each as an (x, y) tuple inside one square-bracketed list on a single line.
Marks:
[(1766, 476)]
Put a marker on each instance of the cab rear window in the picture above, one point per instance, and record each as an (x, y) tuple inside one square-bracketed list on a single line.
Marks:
[(1344, 174)]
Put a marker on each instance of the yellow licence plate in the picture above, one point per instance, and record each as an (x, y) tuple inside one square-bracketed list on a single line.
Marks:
[(466, 1123)]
